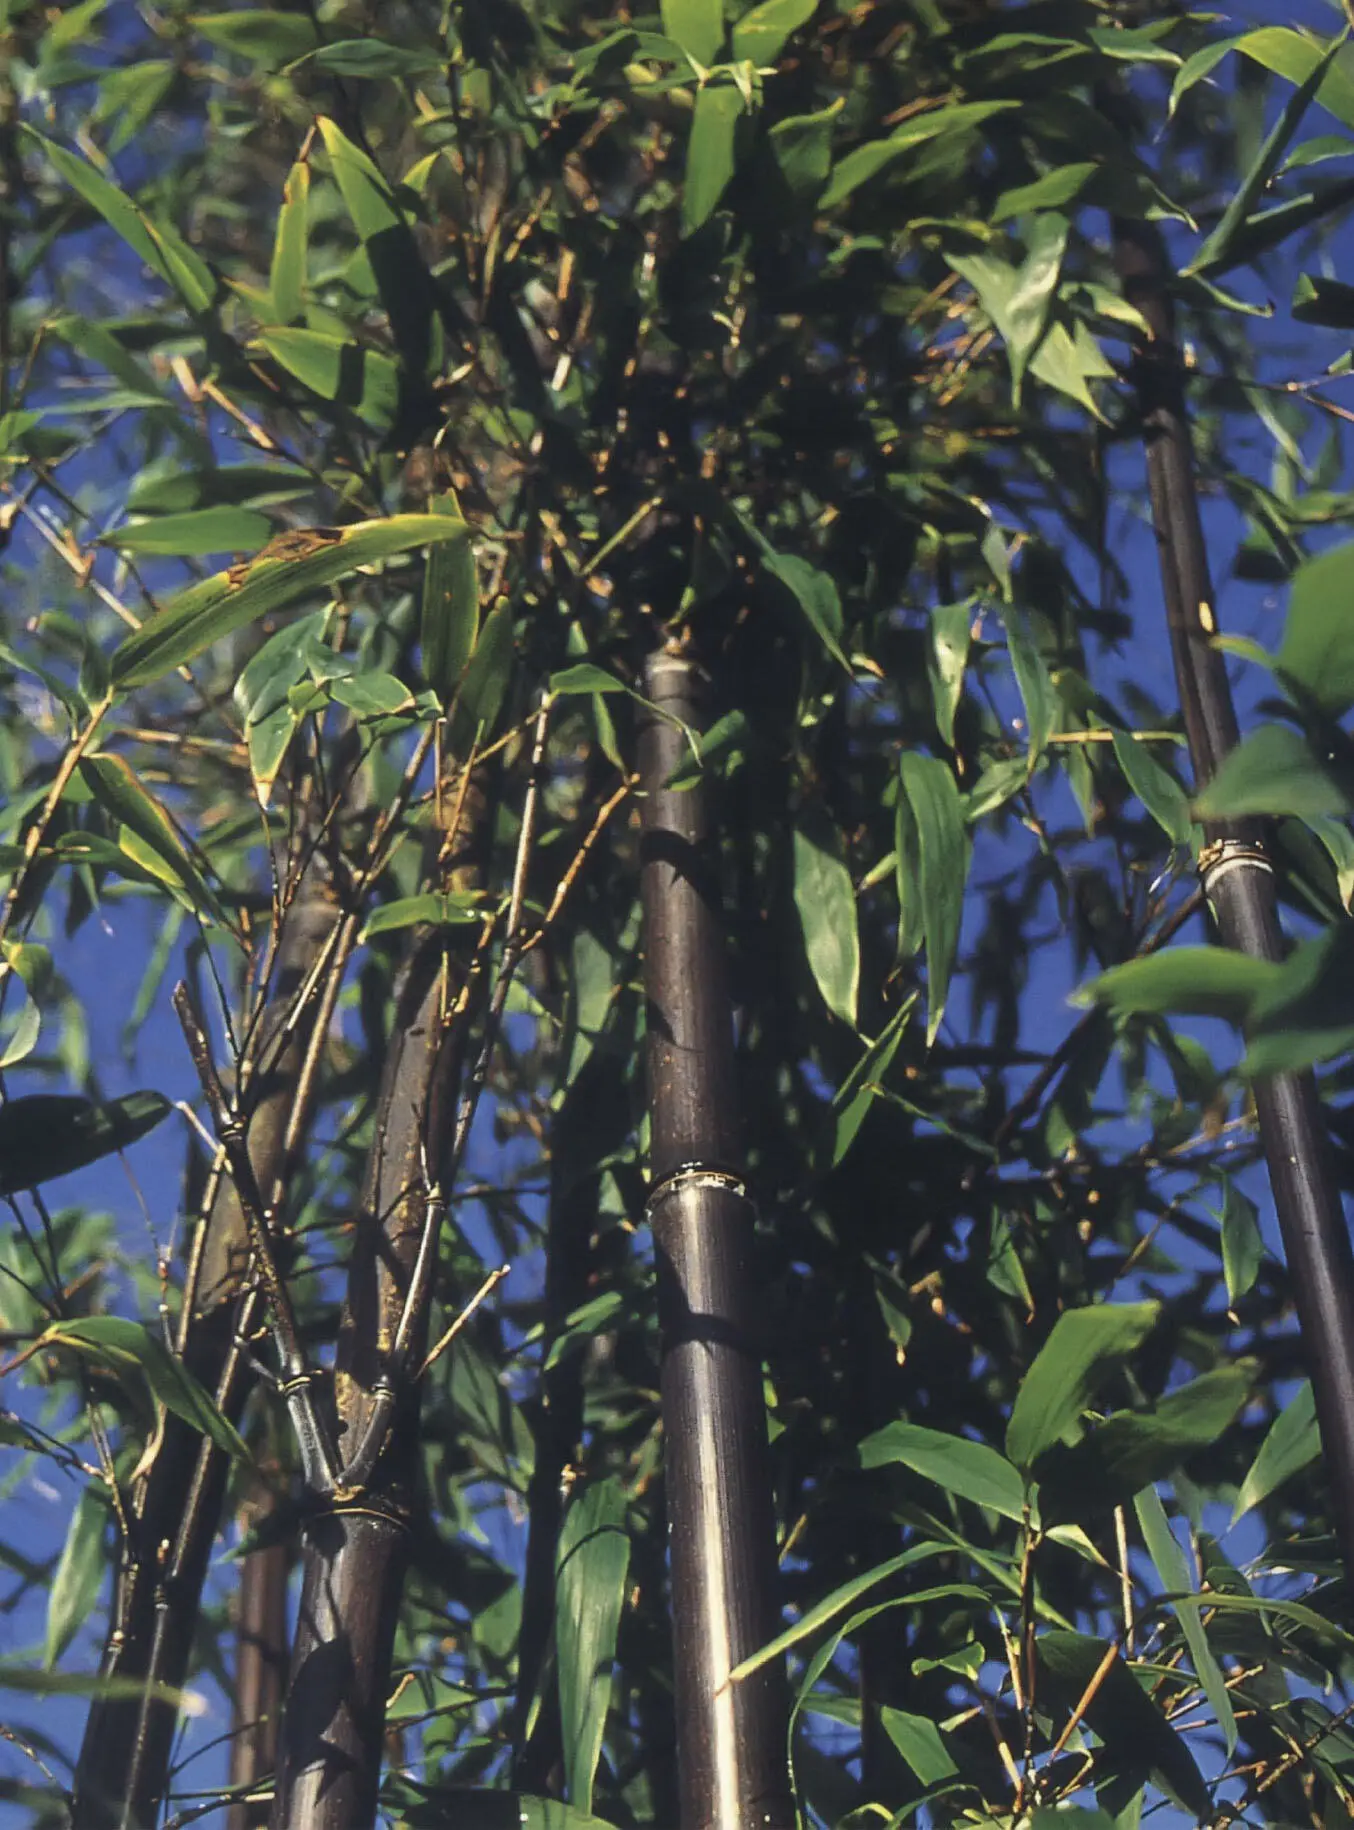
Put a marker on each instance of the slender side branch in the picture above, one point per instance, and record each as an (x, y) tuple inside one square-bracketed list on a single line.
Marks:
[(319, 1458), (1237, 876)]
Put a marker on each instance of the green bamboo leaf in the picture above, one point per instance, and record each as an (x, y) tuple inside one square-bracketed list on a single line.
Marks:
[(950, 628), (199, 530), (402, 276), (44, 1135), (486, 679), (1293, 1441), (1174, 1572), (831, 1606), (1295, 55), (1273, 771), (20, 1040), (1018, 299), (943, 854), (1136, 1734), (1319, 300), (1217, 253), (710, 152), (1085, 1347), (970, 1469), (287, 274), (118, 789), (338, 368), (1243, 1248), (859, 1090), (1194, 981), (1317, 652), (760, 34), (876, 155), (162, 249), (1155, 787), (585, 677), (451, 609), (826, 903), (594, 1556), (1032, 677), (697, 26), (801, 145), (205, 612), (1054, 191), (370, 57), (1131, 1450), (266, 36), (126, 1347), (433, 908), (79, 1574), (920, 1743)]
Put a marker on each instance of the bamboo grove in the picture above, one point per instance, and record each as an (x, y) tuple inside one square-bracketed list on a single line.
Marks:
[(674, 907)]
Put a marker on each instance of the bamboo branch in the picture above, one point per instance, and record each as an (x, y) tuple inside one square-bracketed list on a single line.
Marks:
[(1236, 874)]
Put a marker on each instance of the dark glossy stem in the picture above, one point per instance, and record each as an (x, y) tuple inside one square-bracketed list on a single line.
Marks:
[(124, 1757), (260, 1671), (731, 1738), (1288, 1106)]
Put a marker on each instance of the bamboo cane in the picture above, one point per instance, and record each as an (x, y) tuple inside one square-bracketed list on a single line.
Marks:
[(1236, 874), (731, 1738), (124, 1756)]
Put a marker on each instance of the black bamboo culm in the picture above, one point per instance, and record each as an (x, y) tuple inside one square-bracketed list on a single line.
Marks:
[(358, 1537), (124, 1758), (1237, 877), (731, 1737)]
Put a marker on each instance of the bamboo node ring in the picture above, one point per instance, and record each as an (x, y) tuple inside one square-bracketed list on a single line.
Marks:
[(1225, 855), (693, 1175)]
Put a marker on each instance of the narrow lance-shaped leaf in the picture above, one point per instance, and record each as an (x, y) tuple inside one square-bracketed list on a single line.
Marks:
[(43, 1135), (943, 852), (79, 1574), (1085, 1347), (1216, 254), (287, 275), (1293, 1441), (1317, 652), (1159, 792), (710, 152), (594, 1555), (971, 1469), (1175, 1576), (117, 788), (402, 277), (826, 903), (312, 558), (127, 1347), (948, 658), (451, 609), (697, 26), (1273, 770), (162, 249)]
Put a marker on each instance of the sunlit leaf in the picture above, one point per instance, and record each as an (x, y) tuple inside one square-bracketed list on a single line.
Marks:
[(1085, 1348), (1292, 1442), (128, 1348), (204, 613), (594, 1555), (826, 902), (710, 152), (79, 1574), (943, 855), (970, 1469)]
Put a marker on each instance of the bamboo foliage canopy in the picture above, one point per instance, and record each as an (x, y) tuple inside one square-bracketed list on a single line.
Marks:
[(380, 389)]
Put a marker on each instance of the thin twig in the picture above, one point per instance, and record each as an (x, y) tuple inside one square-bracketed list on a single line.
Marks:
[(491, 1282)]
